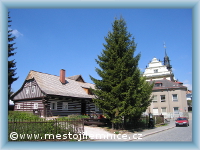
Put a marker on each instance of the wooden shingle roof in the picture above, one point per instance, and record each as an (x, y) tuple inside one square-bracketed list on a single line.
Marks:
[(51, 85)]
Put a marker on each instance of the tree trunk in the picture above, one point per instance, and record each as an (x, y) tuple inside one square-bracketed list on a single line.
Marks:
[(113, 125), (124, 126)]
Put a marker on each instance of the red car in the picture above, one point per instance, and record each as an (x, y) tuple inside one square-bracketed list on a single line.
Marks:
[(182, 121)]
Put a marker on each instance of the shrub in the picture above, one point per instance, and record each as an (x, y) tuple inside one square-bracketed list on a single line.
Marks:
[(18, 115)]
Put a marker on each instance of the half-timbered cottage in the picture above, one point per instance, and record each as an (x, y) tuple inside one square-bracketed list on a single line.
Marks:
[(51, 95)]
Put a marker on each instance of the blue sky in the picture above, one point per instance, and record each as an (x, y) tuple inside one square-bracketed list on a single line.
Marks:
[(52, 39)]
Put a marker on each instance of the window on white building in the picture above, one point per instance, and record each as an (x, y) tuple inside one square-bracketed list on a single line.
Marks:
[(155, 111), (163, 109), (155, 100), (156, 71), (176, 111), (158, 84), (174, 97), (65, 105), (162, 98)]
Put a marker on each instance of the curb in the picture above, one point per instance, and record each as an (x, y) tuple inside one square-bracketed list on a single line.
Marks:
[(157, 131)]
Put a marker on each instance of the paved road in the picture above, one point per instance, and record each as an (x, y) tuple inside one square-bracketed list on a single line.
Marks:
[(174, 134)]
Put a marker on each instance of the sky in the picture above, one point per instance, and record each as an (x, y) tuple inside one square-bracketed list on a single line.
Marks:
[(48, 40)]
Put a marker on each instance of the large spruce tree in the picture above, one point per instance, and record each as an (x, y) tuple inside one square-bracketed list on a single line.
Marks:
[(122, 93), (11, 62)]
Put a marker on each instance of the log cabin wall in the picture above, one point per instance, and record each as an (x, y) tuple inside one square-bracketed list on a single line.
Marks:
[(74, 107), (28, 106)]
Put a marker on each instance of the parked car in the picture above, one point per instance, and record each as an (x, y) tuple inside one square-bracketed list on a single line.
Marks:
[(182, 121)]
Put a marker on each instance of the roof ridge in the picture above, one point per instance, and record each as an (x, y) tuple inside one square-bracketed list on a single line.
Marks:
[(51, 74), (44, 73)]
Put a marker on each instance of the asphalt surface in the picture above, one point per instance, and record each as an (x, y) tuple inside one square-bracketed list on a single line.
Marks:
[(168, 132), (162, 133), (175, 134)]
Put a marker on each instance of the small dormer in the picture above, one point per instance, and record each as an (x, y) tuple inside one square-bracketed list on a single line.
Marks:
[(158, 84), (87, 90), (80, 79), (180, 83), (77, 78)]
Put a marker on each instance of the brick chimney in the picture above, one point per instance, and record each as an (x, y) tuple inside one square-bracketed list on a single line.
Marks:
[(62, 76)]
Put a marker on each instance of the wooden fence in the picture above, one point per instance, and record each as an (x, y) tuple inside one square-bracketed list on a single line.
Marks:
[(43, 127)]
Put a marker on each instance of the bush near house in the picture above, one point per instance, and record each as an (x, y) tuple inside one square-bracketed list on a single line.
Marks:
[(18, 115), (73, 117)]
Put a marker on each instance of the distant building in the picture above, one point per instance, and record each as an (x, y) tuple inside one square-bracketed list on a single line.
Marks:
[(169, 95)]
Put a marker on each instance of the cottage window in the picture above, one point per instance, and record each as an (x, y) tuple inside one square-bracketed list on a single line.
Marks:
[(65, 106), (162, 98), (27, 90), (33, 89), (35, 106), (18, 106), (175, 97), (53, 105), (155, 100)]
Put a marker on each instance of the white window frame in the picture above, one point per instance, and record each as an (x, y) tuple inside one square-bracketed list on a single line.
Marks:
[(176, 112), (18, 106), (65, 106), (164, 108), (161, 98), (174, 100), (155, 70), (51, 105), (155, 99), (35, 106), (155, 112)]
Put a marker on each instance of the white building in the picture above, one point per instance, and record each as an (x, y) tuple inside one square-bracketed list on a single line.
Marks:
[(158, 71), (169, 98)]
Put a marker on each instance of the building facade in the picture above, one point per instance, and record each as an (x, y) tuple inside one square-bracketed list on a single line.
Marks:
[(169, 98)]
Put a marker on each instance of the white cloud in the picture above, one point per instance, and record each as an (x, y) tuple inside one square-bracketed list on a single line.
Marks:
[(187, 84), (16, 33)]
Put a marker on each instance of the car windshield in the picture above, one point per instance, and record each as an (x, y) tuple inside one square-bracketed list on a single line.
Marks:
[(181, 118)]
